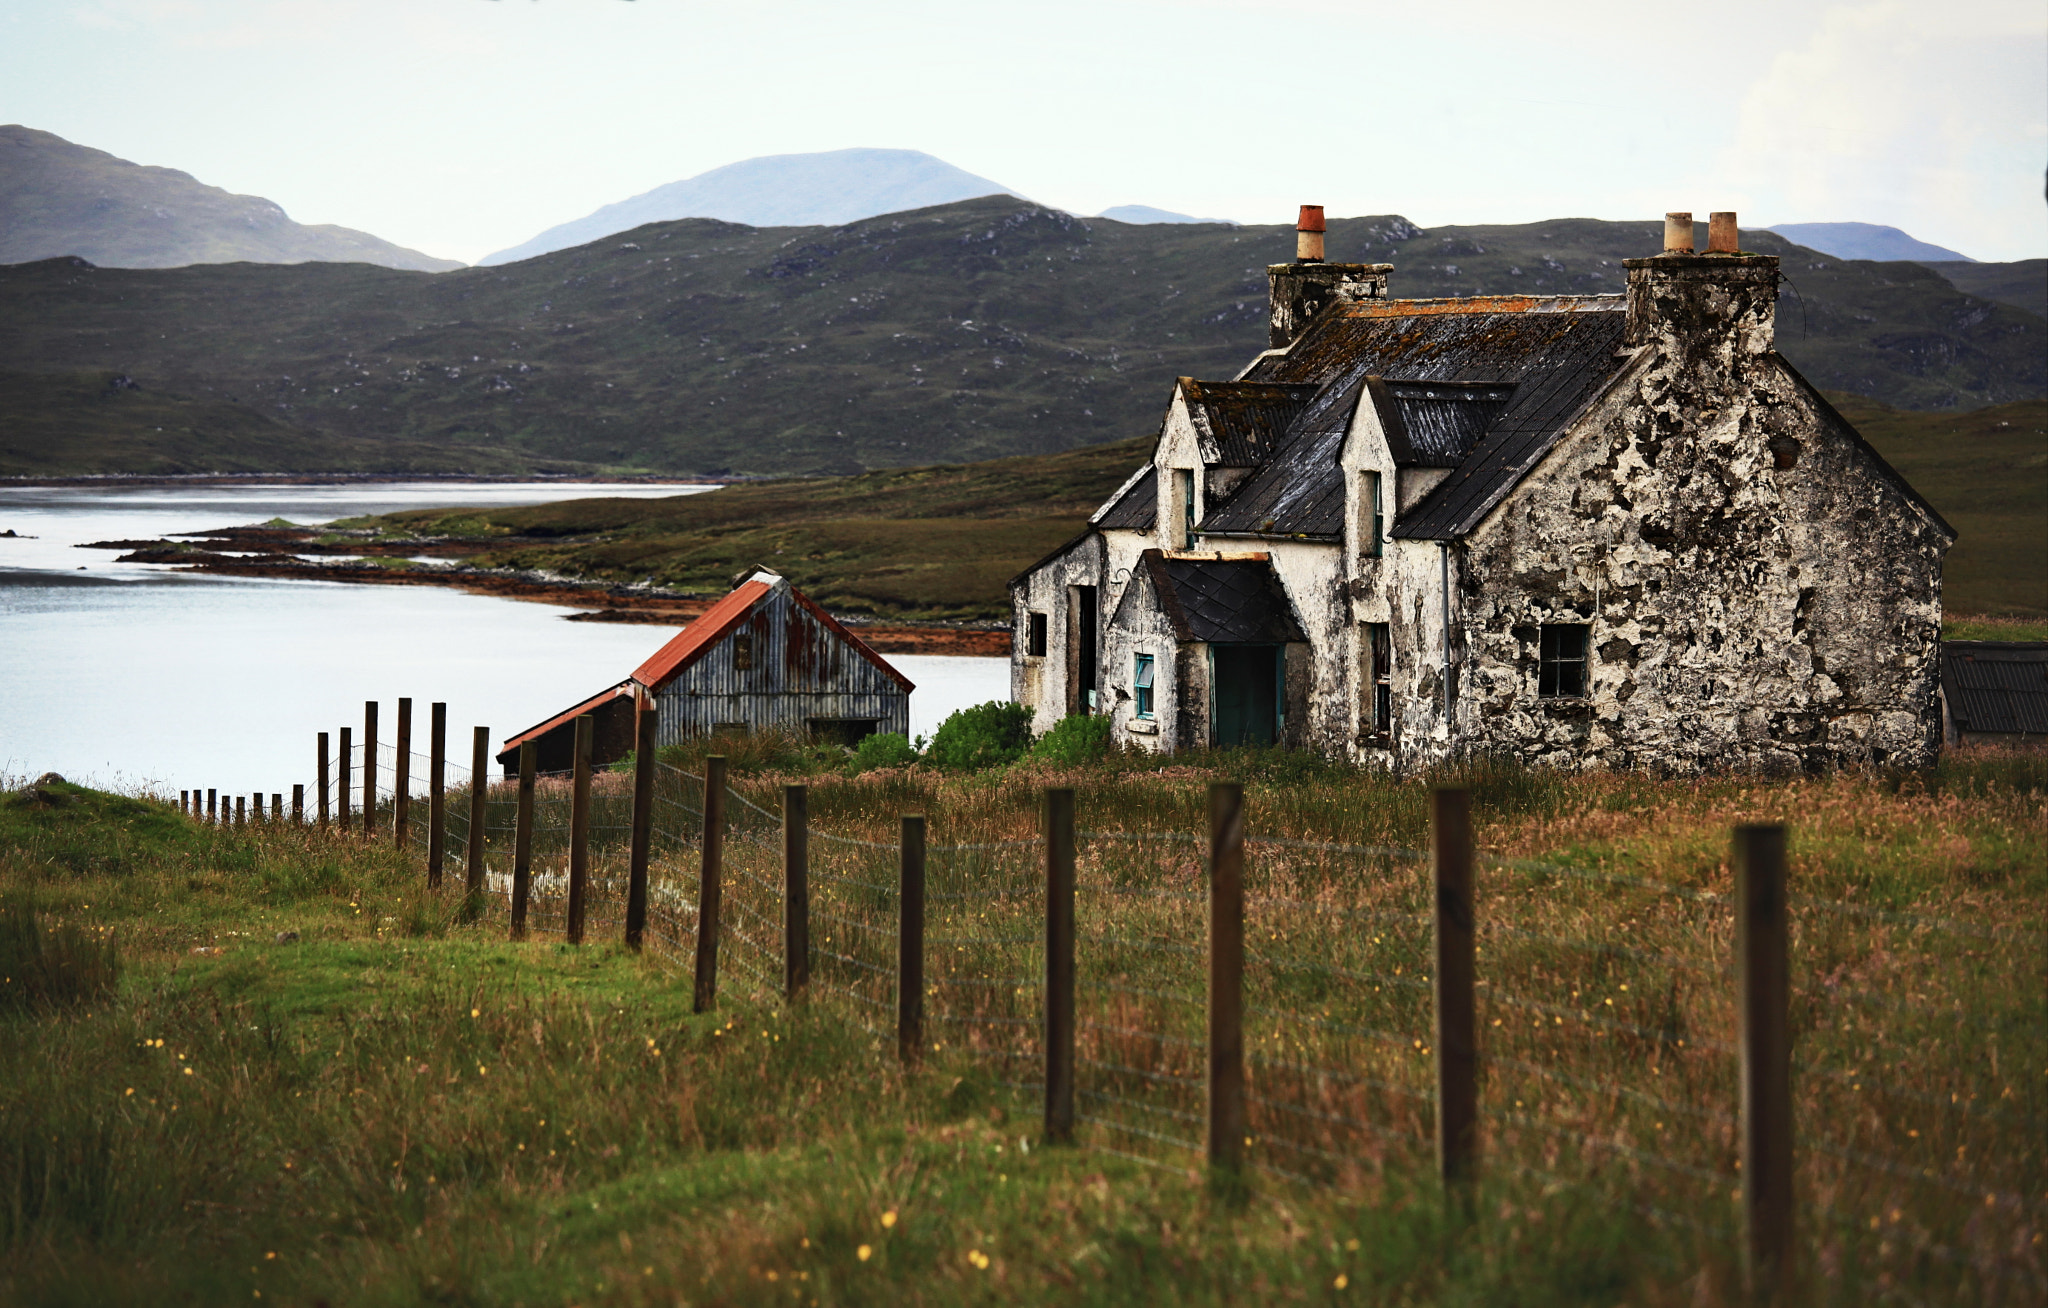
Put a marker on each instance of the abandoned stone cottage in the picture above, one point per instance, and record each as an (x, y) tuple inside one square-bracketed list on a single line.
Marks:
[(1603, 531)]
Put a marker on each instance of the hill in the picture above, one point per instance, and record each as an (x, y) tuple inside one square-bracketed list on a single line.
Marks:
[(58, 198), (969, 331), (2023, 285), (783, 190), (1865, 241), (1145, 213)]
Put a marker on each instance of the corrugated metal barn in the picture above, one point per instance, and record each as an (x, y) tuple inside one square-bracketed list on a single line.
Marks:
[(767, 658)]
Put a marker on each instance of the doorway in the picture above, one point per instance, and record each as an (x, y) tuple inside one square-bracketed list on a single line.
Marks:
[(1247, 698), (1081, 651)]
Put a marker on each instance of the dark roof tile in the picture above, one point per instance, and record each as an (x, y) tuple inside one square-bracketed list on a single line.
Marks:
[(1996, 685)]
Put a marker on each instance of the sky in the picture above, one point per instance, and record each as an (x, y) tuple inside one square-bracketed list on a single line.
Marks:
[(460, 127)]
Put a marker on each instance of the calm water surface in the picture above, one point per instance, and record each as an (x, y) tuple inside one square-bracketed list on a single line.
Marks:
[(129, 675)]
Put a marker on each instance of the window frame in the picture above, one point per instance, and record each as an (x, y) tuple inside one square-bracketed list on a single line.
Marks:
[(1372, 520), (1561, 675), (1379, 644), (1185, 477), (1036, 637), (1144, 672), (743, 651)]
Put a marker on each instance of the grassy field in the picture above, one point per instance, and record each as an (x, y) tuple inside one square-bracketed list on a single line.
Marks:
[(941, 542), (385, 1105)]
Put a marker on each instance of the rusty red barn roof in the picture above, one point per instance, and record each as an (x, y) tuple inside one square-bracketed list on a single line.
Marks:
[(719, 620)]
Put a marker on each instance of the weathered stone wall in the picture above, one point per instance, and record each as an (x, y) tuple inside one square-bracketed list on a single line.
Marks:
[(1042, 684), (1139, 625), (1760, 593)]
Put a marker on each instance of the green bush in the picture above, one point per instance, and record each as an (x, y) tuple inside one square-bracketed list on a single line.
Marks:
[(885, 749), (44, 967), (985, 736), (1074, 740)]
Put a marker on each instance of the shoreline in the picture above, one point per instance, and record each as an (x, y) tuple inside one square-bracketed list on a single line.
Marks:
[(595, 601), (361, 479)]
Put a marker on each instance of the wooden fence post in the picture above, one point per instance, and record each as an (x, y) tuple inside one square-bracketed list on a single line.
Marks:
[(370, 769), (796, 891), (437, 794), (1059, 965), (522, 842), (345, 756), (1763, 978), (184, 803), (579, 830), (210, 803), (1457, 1051), (709, 888), (1227, 1118), (644, 734), (401, 785), (256, 806), (910, 944), (241, 817), (276, 807), (324, 780), (299, 804), (479, 822)]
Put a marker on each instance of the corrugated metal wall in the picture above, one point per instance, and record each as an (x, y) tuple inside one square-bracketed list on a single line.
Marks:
[(799, 672)]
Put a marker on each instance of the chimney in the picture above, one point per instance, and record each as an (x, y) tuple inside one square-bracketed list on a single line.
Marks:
[(1714, 310), (1300, 290), (1308, 235)]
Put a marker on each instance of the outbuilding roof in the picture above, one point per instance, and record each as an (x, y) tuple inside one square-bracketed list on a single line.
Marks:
[(1135, 506), (721, 618), (1996, 686), (535, 732)]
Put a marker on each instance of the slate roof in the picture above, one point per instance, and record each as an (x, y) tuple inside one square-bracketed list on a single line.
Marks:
[(1239, 423), (1483, 385), (1996, 685), (1135, 504), (1222, 600)]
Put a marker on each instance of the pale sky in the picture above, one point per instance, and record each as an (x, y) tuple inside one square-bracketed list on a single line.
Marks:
[(459, 127)]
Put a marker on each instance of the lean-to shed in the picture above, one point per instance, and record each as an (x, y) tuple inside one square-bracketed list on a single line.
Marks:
[(554, 740), (766, 658)]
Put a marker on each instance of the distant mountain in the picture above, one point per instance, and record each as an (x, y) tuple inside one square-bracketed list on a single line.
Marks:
[(1145, 213), (1865, 241), (2023, 285), (828, 189), (58, 198), (966, 331)]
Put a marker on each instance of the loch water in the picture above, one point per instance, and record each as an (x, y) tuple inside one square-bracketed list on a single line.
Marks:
[(134, 676)]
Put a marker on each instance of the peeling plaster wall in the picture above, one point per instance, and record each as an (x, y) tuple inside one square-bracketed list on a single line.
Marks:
[(1042, 683), (1760, 595), (1180, 688)]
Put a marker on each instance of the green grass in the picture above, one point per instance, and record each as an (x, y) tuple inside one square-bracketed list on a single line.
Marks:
[(393, 1107), (970, 331)]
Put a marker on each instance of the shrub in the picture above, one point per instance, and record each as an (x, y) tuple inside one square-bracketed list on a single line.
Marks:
[(985, 736), (45, 967), (886, 749), (1074, 740)]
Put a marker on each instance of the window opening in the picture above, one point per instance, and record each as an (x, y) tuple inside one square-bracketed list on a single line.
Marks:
[(1561, 661), (743, 652), (1034, 639), (1380, 646), (1187, 507), (1371, 522), (1141, 681)]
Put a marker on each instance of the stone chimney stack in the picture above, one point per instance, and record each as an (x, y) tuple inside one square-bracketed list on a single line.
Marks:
[(1716, 310), (1300, 290)]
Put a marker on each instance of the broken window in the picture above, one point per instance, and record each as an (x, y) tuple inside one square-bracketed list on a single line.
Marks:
[(1372, 524), (742, 652), (1379, 673), (1034, 636), (1561, 661), (1141, 682), (1186, 479)]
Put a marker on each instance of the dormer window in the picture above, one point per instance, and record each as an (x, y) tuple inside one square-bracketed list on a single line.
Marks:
[(1184, 479)]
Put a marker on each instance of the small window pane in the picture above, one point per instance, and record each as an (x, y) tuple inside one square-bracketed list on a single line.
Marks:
[(1142, 682), (742, 652), (1561, 661), (1035, 636)]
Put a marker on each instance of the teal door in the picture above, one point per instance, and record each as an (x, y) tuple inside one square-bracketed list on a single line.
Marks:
[(1247, 693)]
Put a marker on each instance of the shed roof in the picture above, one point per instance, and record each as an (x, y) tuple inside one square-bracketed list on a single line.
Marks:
[(718, 621), (1996, 685), (1135, 506), (1224, 601), (538, 730)]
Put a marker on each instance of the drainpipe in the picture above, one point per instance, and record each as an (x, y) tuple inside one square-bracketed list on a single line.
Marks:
[(1443, 559)]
